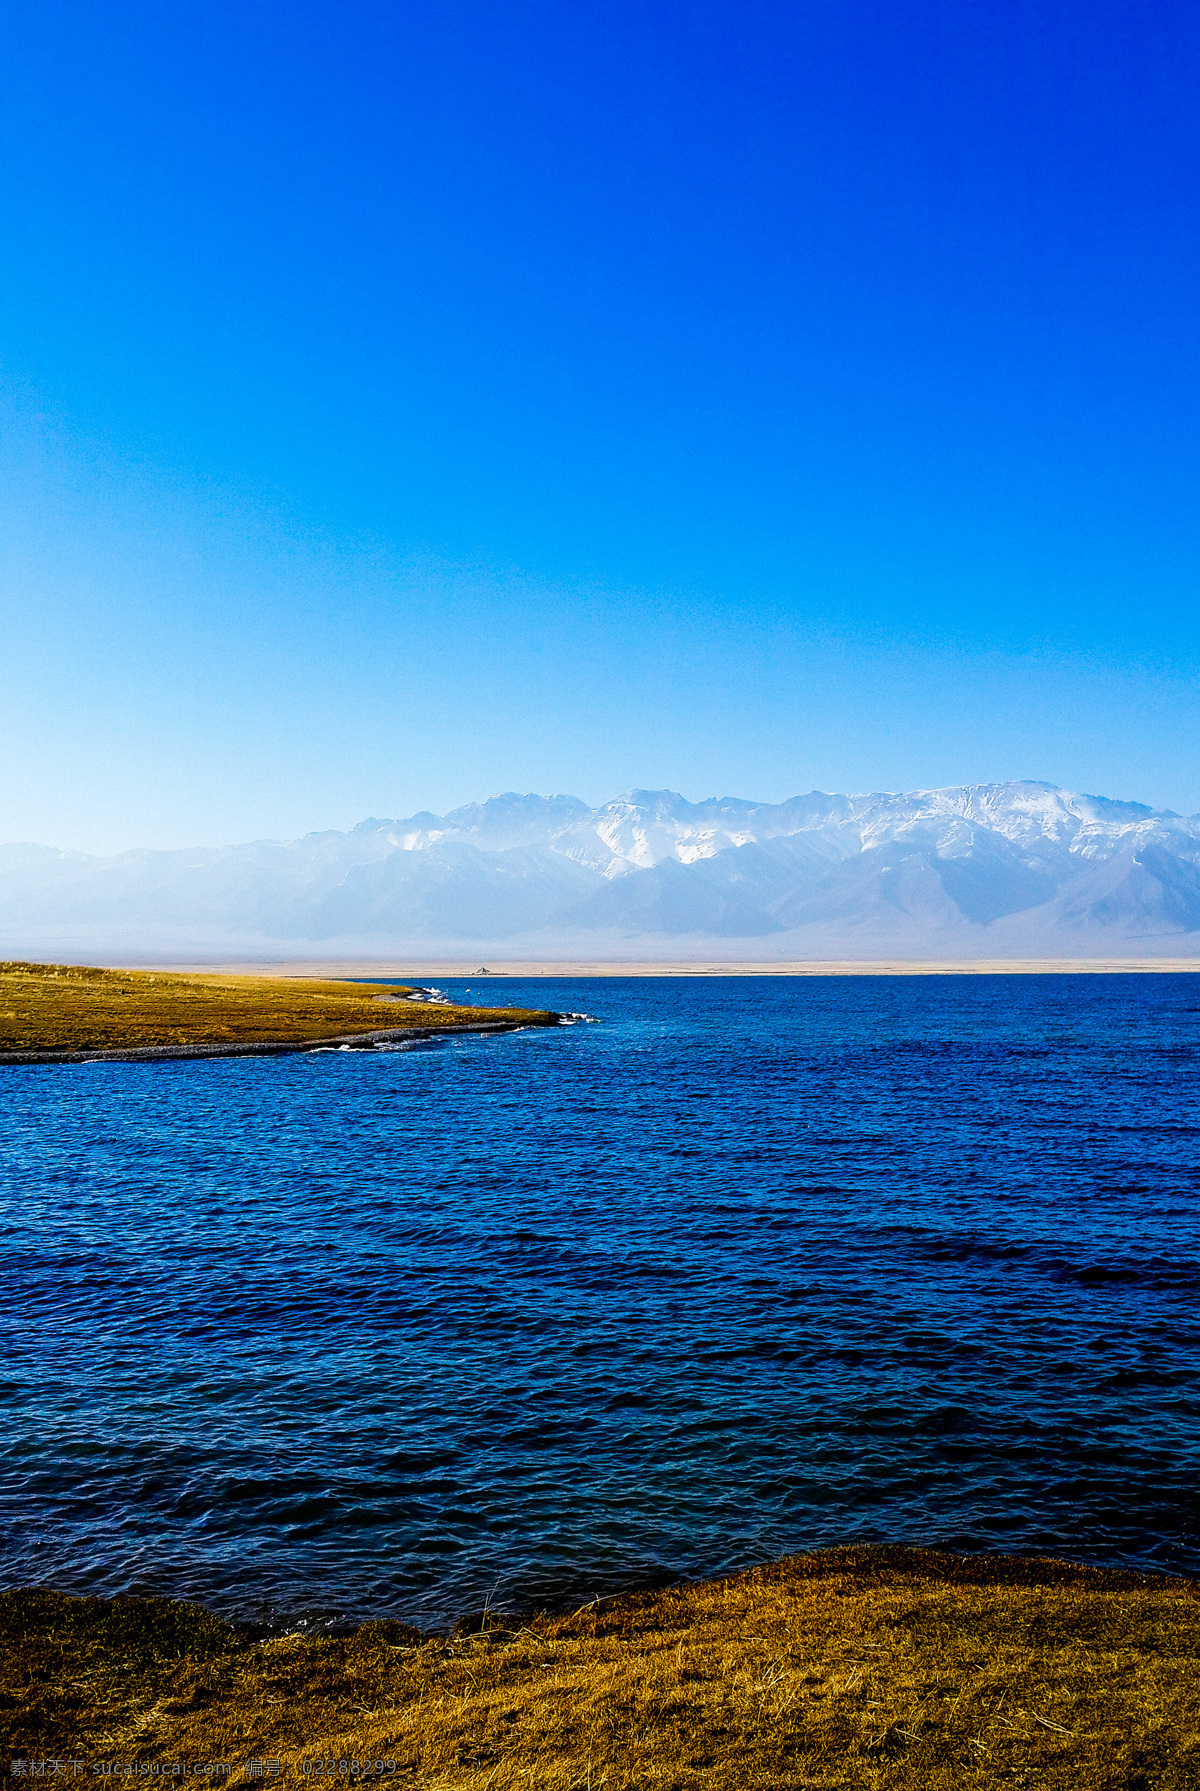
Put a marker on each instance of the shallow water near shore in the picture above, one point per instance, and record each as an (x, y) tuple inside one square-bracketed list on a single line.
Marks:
[(752, 1265)]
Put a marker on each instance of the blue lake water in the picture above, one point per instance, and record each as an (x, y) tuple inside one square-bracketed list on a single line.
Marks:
[(750, 1266)]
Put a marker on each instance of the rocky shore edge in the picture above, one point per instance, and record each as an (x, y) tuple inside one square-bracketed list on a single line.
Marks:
[(352, 1041)]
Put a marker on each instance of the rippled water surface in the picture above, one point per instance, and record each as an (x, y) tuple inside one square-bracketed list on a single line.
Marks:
[(750, 1266)]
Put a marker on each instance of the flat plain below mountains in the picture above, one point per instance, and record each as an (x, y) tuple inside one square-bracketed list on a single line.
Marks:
[(974, 872)]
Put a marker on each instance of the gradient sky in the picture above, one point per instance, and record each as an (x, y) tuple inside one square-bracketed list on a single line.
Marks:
[(405, 403)]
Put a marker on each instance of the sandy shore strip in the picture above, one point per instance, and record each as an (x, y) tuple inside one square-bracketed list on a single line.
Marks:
[(425, 970)]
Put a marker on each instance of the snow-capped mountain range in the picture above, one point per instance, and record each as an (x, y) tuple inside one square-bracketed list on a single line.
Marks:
[(981, 870)]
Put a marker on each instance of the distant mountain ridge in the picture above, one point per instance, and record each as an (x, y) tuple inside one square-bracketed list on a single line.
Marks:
[(981, 870)]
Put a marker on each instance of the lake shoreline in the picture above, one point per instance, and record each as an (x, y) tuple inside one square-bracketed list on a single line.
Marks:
[(67, 1014), (351, 1041), (904, 1668)]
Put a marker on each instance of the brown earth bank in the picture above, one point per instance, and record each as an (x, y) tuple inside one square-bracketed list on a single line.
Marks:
[(849, 1668), (49, 1010)]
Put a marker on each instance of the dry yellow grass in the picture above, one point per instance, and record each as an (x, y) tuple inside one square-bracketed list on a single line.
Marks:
[(886, 1669), (64, 1007)]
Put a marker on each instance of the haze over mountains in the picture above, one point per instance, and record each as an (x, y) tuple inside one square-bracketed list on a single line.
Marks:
[(984, 870)]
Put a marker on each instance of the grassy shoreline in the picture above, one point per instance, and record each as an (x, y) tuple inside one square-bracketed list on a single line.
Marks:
[(881, 1668), (61, 1012)]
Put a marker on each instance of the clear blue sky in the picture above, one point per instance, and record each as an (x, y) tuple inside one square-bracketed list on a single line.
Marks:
[(403, 403)]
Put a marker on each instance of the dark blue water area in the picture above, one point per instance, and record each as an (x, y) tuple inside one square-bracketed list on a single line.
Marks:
[(750, 1266)]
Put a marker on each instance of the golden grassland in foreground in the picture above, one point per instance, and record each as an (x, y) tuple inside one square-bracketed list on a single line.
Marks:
[(880, 1668), (66, 1007)]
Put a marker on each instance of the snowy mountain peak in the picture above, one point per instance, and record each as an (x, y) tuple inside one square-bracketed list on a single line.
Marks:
[(1020, 868)]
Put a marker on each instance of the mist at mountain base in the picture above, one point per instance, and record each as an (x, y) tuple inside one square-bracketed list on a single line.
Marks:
[(1018, 869)]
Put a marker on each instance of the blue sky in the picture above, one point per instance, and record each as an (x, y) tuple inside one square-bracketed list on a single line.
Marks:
[(402, 404)]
